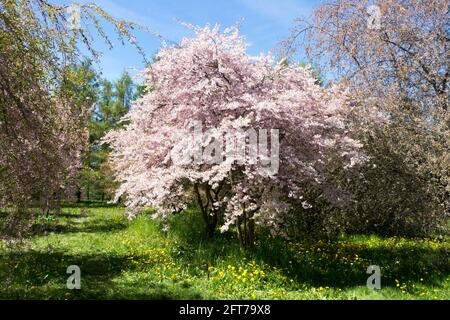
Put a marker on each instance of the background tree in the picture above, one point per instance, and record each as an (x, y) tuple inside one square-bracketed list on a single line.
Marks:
[(398, 64), (113, 102), (42, 119)]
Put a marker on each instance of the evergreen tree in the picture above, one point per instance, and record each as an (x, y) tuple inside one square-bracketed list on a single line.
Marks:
[(113, 102)]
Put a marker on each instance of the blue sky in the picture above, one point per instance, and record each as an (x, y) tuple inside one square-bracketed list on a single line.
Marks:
[(263, 22)]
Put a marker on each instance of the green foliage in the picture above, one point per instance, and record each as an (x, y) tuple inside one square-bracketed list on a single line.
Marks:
[(402, 189), (121, 259), (111, 100)]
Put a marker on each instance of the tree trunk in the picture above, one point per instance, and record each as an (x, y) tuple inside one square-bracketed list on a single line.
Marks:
[(210, 216), (245, 227), (78, 194)]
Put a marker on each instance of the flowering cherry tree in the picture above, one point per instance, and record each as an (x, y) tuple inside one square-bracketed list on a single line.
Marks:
[(210, 79)]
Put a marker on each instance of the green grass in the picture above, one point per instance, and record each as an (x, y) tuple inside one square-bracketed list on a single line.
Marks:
[(121, 259)]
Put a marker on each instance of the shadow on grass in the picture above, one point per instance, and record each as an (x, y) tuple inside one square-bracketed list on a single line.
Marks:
[(344, 265), (90, 204), (65, 222), (319, 263), (99, 226), (69, 222), (30, 274), (42, 275)]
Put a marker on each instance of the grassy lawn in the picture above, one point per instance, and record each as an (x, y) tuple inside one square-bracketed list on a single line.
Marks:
[(121, 259)]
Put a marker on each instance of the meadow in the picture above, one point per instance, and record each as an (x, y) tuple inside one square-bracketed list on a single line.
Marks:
[(138, 259)]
